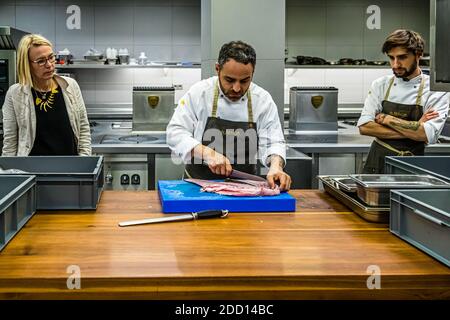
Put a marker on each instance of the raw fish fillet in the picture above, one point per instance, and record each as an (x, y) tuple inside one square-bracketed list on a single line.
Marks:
[(243, 188)]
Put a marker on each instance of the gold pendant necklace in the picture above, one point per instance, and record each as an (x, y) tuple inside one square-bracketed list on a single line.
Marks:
[(42, 102)]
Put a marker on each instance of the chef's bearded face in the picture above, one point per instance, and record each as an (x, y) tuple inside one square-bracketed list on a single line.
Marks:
[(403, 62), (234, 78)]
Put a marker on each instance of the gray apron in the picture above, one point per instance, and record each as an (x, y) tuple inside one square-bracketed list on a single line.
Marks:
[(241, 143), (381, 148)]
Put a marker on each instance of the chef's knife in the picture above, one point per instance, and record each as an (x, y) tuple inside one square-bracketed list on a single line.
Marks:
[(236, 174), (181, 217)]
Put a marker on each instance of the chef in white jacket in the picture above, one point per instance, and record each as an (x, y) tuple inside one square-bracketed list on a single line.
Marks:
[(400, 111), (224, 122)]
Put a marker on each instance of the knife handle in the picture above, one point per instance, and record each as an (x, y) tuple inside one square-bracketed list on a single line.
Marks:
[(206, 214)]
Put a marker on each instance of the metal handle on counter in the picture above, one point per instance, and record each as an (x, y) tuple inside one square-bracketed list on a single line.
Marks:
[(423, 214)]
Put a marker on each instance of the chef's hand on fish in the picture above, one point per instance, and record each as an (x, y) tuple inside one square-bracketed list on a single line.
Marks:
[(276, 175)]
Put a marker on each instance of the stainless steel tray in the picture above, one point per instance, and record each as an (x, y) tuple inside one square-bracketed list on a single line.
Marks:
[(374, 189), (345, 183), (369, 213)]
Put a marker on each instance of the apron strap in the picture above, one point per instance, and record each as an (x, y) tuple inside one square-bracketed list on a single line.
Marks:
[(216, 100), (391, 148), (391, 82), (420, 92)]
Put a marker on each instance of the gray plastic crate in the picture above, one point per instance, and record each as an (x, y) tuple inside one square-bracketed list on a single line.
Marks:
[(422, 218), (17, 204), (437, 166), (63, 182)]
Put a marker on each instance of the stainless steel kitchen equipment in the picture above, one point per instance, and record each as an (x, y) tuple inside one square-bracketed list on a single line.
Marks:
[(153, 107), (374, 189), (345, 183), (439, 45), (313, 109), (350, 200), (9, 41)]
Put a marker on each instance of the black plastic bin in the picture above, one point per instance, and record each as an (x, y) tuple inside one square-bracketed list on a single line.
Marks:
[(17, 204), (437, 166), (422, 218), (63, 182)]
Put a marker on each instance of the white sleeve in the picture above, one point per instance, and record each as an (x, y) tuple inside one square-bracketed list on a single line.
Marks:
[(270, 134), (180, 130), (372, 104), (438, 101)]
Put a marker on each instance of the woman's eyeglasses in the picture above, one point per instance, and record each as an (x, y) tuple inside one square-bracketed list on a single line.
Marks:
[(43, 61)]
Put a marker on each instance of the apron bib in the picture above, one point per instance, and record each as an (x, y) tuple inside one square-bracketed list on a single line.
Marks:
[(241, 136), (381, 148)]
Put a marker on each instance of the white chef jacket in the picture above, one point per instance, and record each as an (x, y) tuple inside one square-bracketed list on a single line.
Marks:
[(405, 92), (185, 129)]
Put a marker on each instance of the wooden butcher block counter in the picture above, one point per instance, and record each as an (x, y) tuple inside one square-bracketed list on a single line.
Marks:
[(321, 251)]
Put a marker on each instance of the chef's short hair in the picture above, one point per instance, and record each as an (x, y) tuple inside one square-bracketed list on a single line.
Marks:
[(239, 51), (408, 39)]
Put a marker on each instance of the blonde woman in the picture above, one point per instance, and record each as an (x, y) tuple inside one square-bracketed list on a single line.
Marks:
[(43, 114)]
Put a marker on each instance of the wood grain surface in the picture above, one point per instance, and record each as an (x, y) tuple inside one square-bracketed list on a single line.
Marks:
[(321, 251)]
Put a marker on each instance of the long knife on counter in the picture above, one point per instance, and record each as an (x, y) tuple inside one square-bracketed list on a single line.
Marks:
[(205, 214)]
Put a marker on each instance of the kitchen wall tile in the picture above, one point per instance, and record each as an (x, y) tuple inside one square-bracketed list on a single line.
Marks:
[(114, 93), (418, 21), (7, 15), (345, 25), (193, 3), (186, 26), (337, 52), (154, 52), (79, 3), (113, 25), (152, 25), (8, 3), (343, 76), (153, 77), (159, 3), (344, 3), (85, 35), (186, 76), (114, 76), (369, 75), (391, 19), (373, 52), (186, 53), (306, 26), (416, 3), (382, 3), (44, 3), (43, 21), (305, 3)]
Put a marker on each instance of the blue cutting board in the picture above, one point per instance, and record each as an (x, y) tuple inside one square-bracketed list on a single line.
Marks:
[(182, 196)]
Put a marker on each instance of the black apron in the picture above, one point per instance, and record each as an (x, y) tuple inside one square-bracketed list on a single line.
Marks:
[(242, 135), (381, 148)]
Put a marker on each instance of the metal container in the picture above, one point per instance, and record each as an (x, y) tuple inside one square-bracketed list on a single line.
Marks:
[(374, 189), (313, 109), (153, 108), (368, 213), (345, 183)]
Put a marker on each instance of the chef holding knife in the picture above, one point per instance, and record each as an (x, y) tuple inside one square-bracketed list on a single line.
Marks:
[(222, 122), (400, 111)]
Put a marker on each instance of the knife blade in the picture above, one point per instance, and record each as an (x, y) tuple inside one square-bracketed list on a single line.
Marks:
[(205, 214), (236, 174)]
